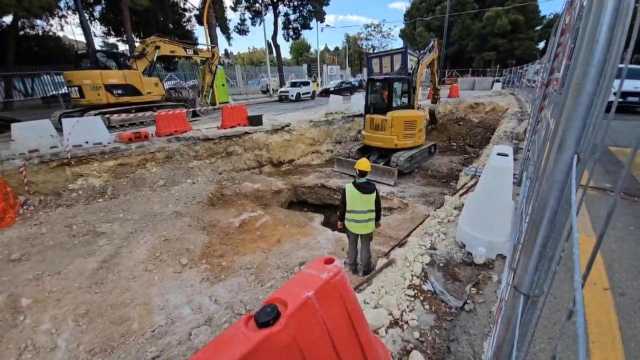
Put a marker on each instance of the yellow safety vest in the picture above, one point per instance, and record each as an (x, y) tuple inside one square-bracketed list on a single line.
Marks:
[(360, 217)]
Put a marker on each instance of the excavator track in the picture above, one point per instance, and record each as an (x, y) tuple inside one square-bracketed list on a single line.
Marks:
[(407, 161)]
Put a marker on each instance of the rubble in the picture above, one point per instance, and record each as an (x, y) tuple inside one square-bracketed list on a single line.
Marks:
[(145, 253)]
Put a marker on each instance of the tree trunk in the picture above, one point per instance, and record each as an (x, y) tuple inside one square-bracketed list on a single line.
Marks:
[(10, 60), (212, 24), (276, 46), (86, 31), (126, 24)]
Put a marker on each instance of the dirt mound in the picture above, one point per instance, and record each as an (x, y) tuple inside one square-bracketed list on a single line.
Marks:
[(470, 124)]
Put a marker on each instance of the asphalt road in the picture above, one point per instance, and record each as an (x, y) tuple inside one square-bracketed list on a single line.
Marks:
[(620, 253)]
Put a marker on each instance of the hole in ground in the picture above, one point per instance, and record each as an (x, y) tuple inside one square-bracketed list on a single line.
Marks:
[(328, 211)]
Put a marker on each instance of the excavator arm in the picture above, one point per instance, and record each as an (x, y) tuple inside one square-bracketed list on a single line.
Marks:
[(146, 54), (427, 59)]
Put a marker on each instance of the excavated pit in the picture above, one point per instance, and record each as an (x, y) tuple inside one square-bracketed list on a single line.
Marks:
[(161, 246)]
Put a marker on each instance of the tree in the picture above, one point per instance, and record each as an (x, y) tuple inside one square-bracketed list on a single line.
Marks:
[(498, 37), (293, 16), (376, 36), (252, 57), (23, 13), (544, 32), (170, 18), (356, 53), (217, 19), (300, 50)]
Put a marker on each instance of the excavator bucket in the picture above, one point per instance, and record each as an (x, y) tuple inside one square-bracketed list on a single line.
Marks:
[(379, 173)]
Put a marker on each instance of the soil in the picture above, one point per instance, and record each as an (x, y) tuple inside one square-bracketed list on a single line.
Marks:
[(149, 255)]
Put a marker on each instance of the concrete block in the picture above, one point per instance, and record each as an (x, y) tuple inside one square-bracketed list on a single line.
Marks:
[(484, 225), (357, 103), (483, 83), (338, 104), (36, 136), (466, 83), (87, 131)]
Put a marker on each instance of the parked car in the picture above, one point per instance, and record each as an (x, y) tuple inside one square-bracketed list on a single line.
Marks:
[(339, 88), (297, 90), (264, 85), (630, 94)]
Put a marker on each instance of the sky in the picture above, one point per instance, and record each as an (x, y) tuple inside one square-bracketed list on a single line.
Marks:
[(343, 17)]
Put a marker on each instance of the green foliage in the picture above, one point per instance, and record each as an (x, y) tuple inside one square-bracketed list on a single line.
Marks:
[(170, 18), (252, 57), (28, 9), (36, 50), (222, 20), (376, 36), (300, 51), (499, 37)]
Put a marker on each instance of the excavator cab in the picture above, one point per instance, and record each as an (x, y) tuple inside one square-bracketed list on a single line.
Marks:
[(388, 93), (391, 122)]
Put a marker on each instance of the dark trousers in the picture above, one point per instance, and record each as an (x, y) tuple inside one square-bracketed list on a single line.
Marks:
[(366, 265)]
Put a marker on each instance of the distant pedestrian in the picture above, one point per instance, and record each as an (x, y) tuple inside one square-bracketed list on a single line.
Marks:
[(360, 213)]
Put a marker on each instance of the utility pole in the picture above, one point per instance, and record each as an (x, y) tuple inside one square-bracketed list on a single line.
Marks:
[(266, 50), (319, 78), (347, 52), (86, 31), (444, 37)]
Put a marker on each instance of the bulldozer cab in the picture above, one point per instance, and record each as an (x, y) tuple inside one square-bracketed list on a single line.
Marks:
[(388, 93)]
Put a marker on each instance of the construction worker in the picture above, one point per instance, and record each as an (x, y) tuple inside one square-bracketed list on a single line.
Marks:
[(360, 213)]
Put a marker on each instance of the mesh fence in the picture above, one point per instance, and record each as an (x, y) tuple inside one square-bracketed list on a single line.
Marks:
[(567, 92)]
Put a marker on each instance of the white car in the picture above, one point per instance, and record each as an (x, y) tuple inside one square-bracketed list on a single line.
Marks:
[(297, 90), (630, 94)]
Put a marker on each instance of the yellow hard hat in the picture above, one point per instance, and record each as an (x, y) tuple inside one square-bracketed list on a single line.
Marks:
[(363, 165)]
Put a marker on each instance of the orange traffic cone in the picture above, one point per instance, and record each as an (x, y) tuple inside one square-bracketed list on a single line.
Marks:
[(454, 91), (430, 94), (8, 205)]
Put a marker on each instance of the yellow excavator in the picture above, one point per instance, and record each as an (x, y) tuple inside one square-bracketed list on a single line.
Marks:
[(115, 86), (395, 124)]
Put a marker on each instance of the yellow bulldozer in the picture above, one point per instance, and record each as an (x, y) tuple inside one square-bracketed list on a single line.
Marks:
[(116, 85), (396, 125)]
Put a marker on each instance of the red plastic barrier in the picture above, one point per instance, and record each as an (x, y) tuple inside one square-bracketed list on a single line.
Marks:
[(233, 116), (8, 205), (172, 122), (314, 315), (454, 91), (133, 136)]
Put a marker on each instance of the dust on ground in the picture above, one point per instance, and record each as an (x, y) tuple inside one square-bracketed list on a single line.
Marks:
[(151, 254)]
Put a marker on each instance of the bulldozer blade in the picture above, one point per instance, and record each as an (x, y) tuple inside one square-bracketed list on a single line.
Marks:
[(379, 173)]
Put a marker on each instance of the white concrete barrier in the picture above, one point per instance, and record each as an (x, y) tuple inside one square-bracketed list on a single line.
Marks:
[(357, 103), (87, 131), (466, 83), (483, 83), (36, 136), (338, 104), (484, 226)]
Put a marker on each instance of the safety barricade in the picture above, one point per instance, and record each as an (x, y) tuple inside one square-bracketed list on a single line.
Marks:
[(234, 116), (314, 315), (454, 91), (172, 122), (8, 205), (127, 137)]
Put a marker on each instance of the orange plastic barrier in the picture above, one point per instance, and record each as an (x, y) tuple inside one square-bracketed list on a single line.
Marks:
[(314, 315), (133, 136), (454, 91), (172, 122), (233, 116), (8, 205)]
